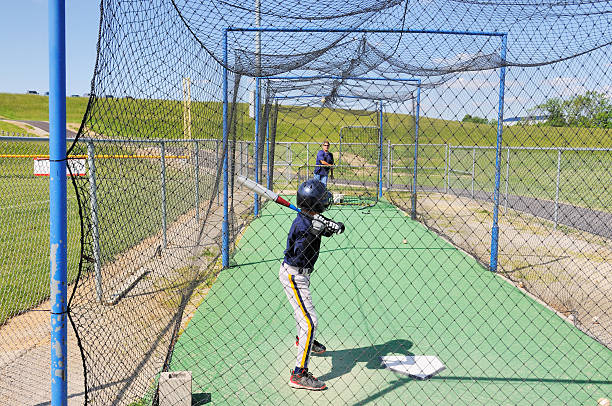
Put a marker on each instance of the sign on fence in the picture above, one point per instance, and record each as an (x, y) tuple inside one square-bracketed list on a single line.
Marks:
[(42, 167)]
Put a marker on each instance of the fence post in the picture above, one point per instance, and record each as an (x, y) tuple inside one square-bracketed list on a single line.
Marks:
[(307, 156), (500, 127), (507, 175), (413, 199), (557, 188), (58, 217), (388, 164), (473, 169), (225, 225), (197, 181), (246, 169), (93, 197), (163, 185), (240, 171), (446, 168), (257, 163), (340, 149), (380, 153)]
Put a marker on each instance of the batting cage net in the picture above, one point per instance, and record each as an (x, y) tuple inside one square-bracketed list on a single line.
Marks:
[(466, 258)]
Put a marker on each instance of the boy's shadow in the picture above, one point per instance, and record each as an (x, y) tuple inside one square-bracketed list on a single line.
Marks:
[(343, 361)]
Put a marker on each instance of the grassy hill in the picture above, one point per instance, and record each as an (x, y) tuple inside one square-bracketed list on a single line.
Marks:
[(36, 108), (134, 118)]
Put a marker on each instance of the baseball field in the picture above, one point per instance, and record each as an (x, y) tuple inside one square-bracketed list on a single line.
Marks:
[(376, 295)]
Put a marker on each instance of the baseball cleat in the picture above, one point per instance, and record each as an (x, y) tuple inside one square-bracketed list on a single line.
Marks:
[(317, 347), (305, 380)]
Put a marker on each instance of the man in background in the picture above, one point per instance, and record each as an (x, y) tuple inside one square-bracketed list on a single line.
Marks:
[(324, 164)]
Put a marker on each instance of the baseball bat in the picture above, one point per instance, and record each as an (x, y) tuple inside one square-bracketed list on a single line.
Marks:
[(270, 195), (267, 193)]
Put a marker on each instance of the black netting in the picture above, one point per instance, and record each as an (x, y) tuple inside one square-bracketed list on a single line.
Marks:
[(542, 31), (475, 267)]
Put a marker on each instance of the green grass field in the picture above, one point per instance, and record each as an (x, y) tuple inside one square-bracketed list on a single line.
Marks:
[(159, 118), (126, 190), (24, 231), (36, 108)]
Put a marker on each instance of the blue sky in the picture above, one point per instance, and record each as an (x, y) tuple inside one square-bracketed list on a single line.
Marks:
[(24, 47), (25, 60)]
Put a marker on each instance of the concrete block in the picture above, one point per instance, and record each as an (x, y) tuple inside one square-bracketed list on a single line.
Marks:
[(175, 388)]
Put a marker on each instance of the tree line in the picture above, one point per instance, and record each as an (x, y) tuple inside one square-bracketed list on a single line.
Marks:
[(589, 110), (592, 109)]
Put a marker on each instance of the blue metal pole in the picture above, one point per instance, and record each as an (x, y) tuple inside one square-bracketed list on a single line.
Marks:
[(256, 208), (416, 153), (344, 78), (163, 195), (57, 206), (380, 151), (269, 178), (500, 119), (225, 225), (367, 30)]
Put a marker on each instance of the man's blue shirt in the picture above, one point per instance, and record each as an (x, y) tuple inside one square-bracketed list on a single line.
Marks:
[(323, 156)]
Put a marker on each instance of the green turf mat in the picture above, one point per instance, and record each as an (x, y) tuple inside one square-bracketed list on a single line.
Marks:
[(374, 296)]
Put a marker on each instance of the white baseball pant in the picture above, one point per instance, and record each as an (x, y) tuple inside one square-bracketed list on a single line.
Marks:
[(297, 289)]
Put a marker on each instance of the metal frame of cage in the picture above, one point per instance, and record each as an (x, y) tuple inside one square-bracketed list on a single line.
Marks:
[(417, 84), (258, 30)]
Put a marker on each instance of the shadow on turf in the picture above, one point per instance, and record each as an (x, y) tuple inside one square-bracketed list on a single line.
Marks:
[(201, 398), (343, 361)]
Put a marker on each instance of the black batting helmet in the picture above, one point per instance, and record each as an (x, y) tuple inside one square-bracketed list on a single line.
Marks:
[(313, 195)]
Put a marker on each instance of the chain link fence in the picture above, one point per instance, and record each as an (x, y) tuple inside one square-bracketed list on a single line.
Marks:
[(24, 269), (531, 200)]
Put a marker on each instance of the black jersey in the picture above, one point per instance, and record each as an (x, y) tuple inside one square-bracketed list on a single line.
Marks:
[(303, 245)]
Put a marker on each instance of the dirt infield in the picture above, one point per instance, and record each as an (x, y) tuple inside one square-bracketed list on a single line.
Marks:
[(567, 269)]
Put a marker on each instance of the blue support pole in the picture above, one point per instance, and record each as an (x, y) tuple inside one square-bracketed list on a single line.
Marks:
[(163, 195), (416, 153), (268, 178), (500, 119), (256, 206), (58, 206), (225, 225), (380, 150)]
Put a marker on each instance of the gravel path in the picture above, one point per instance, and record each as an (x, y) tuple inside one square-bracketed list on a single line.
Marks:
[(44, 126), (592, 221)]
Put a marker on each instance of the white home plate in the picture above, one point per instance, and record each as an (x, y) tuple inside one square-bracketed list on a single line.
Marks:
[(415, 366)]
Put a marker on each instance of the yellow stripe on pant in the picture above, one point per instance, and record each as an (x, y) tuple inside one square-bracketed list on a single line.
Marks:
[(298, 298)]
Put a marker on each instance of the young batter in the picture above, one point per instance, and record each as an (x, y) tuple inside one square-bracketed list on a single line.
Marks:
[(303, 244)]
